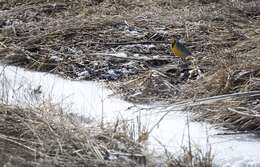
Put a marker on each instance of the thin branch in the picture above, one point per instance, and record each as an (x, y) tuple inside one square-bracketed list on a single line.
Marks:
[(4, 137), (242, 113), (212, 99), (202, 101), (131, 43), (144, 58)]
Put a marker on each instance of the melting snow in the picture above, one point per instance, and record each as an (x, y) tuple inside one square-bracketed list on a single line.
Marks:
[(92, 99)]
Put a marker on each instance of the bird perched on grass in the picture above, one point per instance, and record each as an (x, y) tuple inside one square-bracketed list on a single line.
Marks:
[(179, 50), (190, 66)]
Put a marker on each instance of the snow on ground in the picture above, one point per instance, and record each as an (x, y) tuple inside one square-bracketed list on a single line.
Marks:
[(92, 99)]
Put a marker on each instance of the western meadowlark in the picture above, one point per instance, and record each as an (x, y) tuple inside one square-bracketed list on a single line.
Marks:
[(179, 50)]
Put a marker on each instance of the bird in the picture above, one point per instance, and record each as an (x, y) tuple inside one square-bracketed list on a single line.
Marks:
[(179, 50), (189, 66)]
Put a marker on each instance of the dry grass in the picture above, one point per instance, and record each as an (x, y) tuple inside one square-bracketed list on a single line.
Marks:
[(63, 37), (192, 159), (230, 77), (238, 114), (240, 73), (46, 136)]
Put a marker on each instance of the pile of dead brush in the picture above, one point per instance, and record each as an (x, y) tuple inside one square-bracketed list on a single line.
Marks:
[(241, 114), (63, 38), (225, 44), (239, 73), (223, 37), (238, 114), (108, 40), (46, 136)]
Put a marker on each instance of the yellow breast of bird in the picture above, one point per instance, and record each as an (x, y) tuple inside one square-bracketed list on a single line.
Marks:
[(177, 52)]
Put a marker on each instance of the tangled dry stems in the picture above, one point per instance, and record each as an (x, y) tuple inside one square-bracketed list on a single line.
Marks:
[(239, 114), (192, 159), (46, 136), (61, 37)]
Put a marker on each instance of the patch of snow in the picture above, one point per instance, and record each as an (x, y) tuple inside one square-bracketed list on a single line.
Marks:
[(83, 75), (120, 54), (151, 46), (56, 58), (162, 32), (156, 56), (93, 100)]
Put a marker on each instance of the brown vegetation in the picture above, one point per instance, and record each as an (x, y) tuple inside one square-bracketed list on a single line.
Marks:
[(192, 159), (82, 39), (45, 136)]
